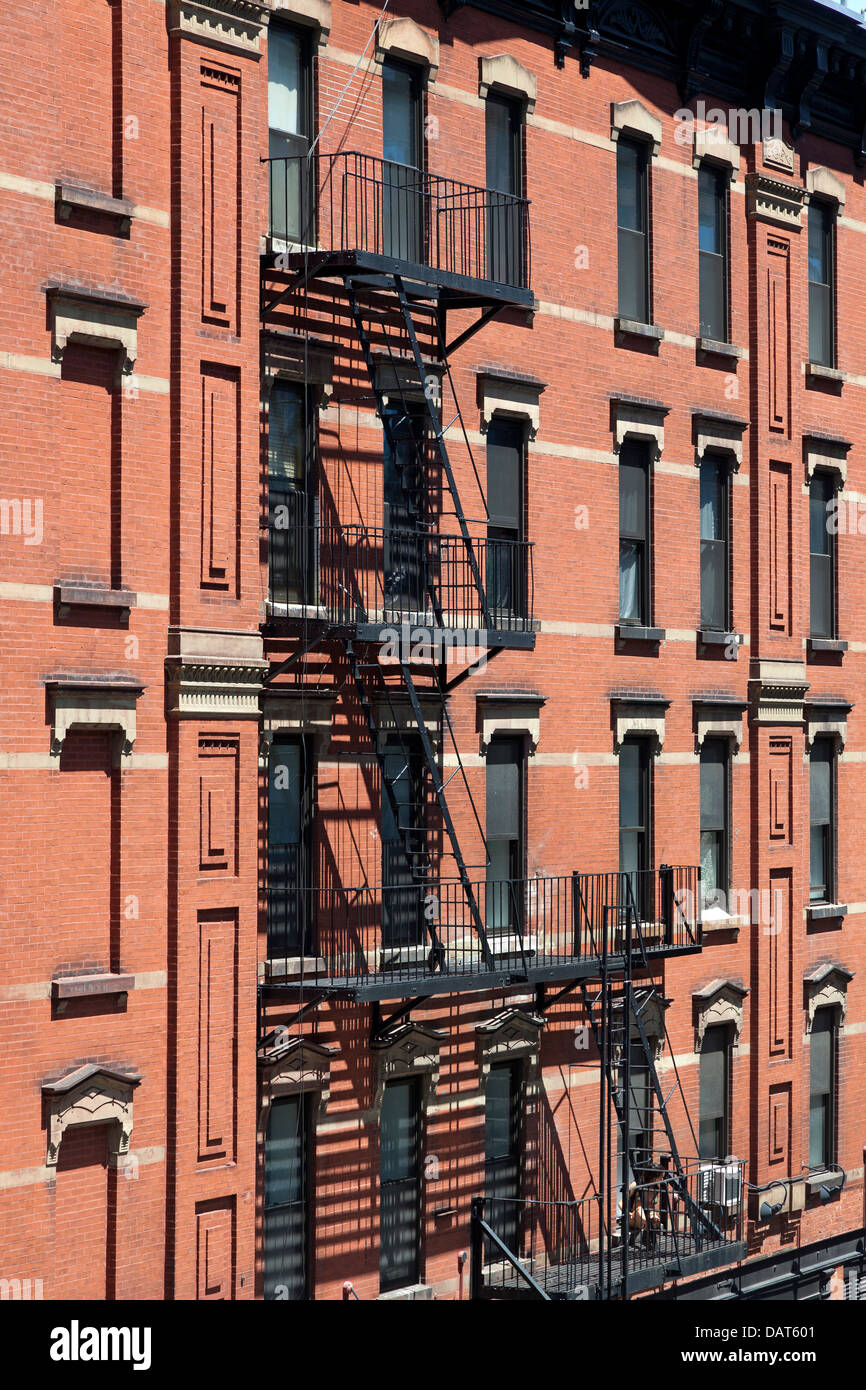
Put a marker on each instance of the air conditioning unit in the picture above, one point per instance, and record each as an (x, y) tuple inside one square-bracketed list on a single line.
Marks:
[(721, 1185)]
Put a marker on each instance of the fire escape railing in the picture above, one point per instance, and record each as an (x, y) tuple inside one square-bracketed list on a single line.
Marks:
[(358, 202), (361, 574), (343, 936)]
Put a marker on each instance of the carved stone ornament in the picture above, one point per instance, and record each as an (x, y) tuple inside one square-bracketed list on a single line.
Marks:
[(290, 1066), (213, 673), (774, 200), (826, 987), (235, 25), (638, 718), (513, 1035), (90, 1095), (407, 1050), (96, 706), (721, 1001), (79, 315)]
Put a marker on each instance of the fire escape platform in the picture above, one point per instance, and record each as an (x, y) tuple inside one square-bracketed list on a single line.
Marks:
[(451, 289)]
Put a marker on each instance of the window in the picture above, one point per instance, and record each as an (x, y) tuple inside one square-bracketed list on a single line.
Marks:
[(714, 1135), (632, 200), (640, 1114), (503, 1107), (715, 832), (822, 558), (822, 313), (290, 819), (288, 1191), (400, 1186), (403, 844), (713, 251), (506, 577), (634, 534), (715, 587), (634, 818), (504, 125), (822, 1089), (822, 815), (290, 119), (291, 495), (405, 546), (403, 156), (506, 774)]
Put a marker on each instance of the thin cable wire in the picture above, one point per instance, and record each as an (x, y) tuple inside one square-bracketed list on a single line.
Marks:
[(361, 58)]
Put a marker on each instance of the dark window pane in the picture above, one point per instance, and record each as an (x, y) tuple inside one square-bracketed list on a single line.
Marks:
[(713, 253), (400, 1191), (633, 488), (285, 794), (820, 778), (714, 759), (504, 764), (821, 814), (714, 1093), (821, 308), (504, 474), (822, 1080), (632, 238), (821, 559), (820, 596), (503, 129), (286, 1218), (631, 808), (631, 580), (711, 211), (400, 100)]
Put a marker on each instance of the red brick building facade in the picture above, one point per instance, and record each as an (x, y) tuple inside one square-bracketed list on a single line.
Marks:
[(431, 726)]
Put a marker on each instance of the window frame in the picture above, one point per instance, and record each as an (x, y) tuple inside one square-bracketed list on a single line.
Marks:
[(306, 1201), (827, 211), (633, 452), (830, 1096), (827, 481), (304, 869), (305, 529), (517, 845), (307, 106), (644, 832), (721, 1031), (414, 1083), (714, 459), (512, 536), (643, 149), (721, 744), (830, 886), (721, 177)]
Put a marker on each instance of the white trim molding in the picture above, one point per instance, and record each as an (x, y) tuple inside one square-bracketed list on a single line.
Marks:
[(510, 395), (638, 419), (234, 25), (291, 1066), (711, 143), (826, 987), (98, 704), (633, 118), (638, 716), (721, 1001), (508, 712), (828, 453), (821, 182), (718, 719), (502, 73), (827, 717), (403, 38), (90, 1095), (213, 673), (512, 1035), (720, 434), (79, 315), (407, 1050)]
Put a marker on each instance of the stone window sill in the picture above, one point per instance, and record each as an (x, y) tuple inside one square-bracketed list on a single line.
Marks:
[(829, 375), (628, 632), (68, 596), (414, 1293), (713, 637), (88, 987), (711, 347), (633, 328), (820, 912), (714, 919), (830, 1178), (70, 199), (291, 967), (816, 645)]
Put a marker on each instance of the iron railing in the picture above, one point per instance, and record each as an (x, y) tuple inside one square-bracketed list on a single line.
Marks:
[(675, 1222), (357, 202), (359, 574), (348, 937)]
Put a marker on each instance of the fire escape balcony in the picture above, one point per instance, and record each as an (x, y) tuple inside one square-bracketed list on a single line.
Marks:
[(365, 582), (351, 213), (680, 1222), (415, 938)]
